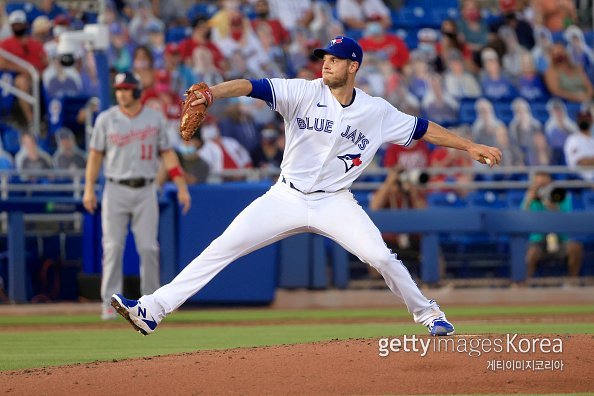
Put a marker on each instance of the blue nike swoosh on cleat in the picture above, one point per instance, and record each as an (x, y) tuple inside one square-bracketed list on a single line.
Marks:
[(321, 105), (150, 323)]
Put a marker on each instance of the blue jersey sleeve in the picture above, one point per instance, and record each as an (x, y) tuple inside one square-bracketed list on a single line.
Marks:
[(262, 89), (420, 128)]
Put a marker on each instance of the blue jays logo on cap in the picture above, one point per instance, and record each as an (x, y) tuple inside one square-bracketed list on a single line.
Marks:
[(341, 47)]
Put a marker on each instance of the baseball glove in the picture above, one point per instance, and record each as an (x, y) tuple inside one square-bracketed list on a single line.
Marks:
[(192, 116)]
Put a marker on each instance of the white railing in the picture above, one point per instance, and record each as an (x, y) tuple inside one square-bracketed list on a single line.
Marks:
[(32, 98)]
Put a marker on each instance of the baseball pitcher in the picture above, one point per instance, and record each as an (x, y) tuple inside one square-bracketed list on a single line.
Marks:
[(333, 130), (129, 138)]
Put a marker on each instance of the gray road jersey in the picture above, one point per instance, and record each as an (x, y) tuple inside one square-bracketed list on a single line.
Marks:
[(131, 144)]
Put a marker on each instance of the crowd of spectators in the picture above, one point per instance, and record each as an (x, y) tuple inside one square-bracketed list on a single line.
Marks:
[(521, 54)]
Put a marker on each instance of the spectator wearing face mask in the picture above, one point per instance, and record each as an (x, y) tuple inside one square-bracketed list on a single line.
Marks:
[(509, 18), (195, 167), (579, 147), (377, 40), (201, 38), (566, 80), (222, 153), (279, 33), (472, 26), (29, 50), (426, 50)]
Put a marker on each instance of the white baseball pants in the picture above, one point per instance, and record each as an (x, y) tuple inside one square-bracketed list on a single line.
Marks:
[(283, 212)]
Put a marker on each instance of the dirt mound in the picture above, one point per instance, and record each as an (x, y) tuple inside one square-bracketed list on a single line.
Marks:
[(336, 367)]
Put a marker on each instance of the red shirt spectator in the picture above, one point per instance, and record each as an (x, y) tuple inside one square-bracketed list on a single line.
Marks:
[(22, 45), (199, 39), (414, 156), (281, 35), (161, 92), (376, 40)]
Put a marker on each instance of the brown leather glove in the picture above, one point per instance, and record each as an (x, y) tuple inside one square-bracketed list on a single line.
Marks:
[(193, 116)]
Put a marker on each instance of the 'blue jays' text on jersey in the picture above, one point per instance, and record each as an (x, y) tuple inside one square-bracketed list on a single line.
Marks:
[(328, 145)]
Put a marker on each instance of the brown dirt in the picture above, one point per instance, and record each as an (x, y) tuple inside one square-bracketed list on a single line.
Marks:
[(335, 367)]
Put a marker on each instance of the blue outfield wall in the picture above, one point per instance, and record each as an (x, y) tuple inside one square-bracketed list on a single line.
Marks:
[(301, 261), (250, 279)]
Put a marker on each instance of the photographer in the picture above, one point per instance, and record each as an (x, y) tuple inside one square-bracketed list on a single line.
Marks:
[(402, 189), (541, 197)]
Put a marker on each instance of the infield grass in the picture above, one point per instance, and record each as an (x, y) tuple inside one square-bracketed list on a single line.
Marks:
[(31, 346)]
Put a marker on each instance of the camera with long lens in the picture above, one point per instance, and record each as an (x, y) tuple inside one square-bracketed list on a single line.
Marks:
[(415, 177), (93, 36), (551, 194)]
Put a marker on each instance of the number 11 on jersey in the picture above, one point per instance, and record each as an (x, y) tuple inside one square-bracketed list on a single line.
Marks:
[(146, 152)]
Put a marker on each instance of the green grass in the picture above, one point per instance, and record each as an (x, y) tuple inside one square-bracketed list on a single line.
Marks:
[(116, 340), (49, 348), (247, 315)]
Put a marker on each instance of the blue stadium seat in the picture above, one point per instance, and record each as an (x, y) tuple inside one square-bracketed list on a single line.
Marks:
[(539, 111), (427, 4), (446, 200), (438, 15), (467, 112), (515, 198), (558, 37), (503, 111), (573, 109), (204, 10), (177, 34), (588, 199), (10, 138), (589, 38), (410, 17), (487, 199), (577, 202), (30, 9)]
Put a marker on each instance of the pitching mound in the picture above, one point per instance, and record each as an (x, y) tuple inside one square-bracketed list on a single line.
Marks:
[(532, 365)]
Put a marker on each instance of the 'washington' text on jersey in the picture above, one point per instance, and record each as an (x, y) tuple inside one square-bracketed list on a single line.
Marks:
[(358, 138)]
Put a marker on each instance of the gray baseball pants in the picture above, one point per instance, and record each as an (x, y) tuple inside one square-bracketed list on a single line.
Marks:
[(121, 205)]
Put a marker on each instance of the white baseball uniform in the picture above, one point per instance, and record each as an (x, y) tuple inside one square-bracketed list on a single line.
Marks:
[(131, 145), (327, 147)]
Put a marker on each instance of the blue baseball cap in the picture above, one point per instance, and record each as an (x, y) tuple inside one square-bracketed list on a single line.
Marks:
[(342, 47)]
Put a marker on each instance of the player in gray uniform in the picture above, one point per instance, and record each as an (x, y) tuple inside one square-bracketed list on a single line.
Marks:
[(129, 138)]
